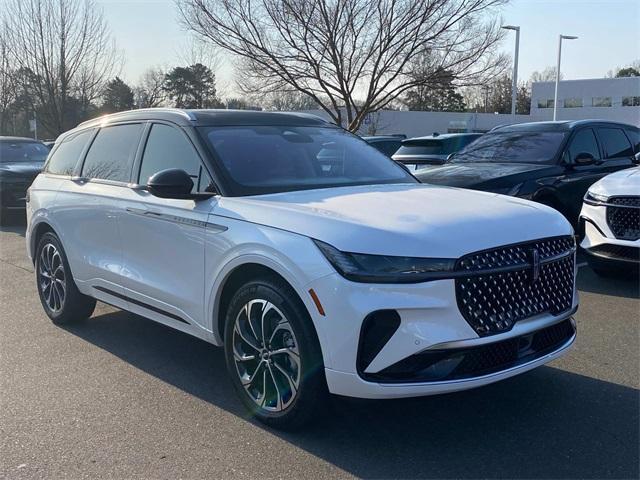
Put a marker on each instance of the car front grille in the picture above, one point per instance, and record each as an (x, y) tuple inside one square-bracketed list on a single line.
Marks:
[(624, 221), (508, 284)]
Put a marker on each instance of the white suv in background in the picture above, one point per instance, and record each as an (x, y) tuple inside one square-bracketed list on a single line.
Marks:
[(610, 224), (317, 262)]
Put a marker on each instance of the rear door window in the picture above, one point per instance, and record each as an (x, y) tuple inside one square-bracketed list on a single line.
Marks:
[(584, 142), (67, 154), (110, 156), (615, 143)]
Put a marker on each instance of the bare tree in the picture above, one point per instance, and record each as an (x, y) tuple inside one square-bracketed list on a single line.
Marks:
[(8, 90), (352, 57), (546, 75), (150, 89), (67, 47)]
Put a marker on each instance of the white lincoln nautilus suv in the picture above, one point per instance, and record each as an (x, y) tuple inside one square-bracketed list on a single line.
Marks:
[(319, 264)]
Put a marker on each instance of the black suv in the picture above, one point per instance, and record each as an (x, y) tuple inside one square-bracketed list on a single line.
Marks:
[(550, 162)]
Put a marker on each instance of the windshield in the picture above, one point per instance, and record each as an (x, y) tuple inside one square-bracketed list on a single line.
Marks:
[(22, 152), (269, 159), (517, 147)]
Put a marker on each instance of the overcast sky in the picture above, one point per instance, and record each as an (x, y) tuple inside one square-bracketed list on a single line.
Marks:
[(149, 34)]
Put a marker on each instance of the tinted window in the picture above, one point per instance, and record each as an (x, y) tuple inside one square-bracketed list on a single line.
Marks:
[(167, 147), (634, 136), (268, 159), (515, 146), (615, 142), (111, 154), (584, 142), (67, 154), (20, 151)]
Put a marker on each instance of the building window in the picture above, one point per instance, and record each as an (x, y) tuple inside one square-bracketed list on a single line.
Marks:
[(601, 101), (631, 101), (546, 103), (572, 102)]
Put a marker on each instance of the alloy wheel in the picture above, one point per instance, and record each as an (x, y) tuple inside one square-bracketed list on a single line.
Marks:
[(52, 277), (266, 355)]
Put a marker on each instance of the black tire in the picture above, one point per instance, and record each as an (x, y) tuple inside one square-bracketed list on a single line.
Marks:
[(51, 264), (298, 405)]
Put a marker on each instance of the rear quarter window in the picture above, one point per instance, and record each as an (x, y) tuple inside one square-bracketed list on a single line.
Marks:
[(66, 155), (615, 142)]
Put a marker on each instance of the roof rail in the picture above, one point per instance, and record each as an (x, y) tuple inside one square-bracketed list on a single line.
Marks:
[(185, 113)]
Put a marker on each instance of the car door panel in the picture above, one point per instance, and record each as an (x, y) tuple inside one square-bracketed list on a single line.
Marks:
[(163, 252), (163, 239), (86, 212)]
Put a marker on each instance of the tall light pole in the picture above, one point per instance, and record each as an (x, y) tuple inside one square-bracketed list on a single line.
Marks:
[(555, 96), (514, 87)]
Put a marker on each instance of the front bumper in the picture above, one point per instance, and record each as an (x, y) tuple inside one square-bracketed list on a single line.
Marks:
[(599, 242), (349, 384), (430, 320)]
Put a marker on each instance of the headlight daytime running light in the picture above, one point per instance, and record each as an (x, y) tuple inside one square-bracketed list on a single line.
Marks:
[(366, 268), (595, 198)]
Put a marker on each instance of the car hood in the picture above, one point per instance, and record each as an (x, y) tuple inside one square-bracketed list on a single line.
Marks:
[(406, 220), (472, 174), (624, 182), (27, 169)]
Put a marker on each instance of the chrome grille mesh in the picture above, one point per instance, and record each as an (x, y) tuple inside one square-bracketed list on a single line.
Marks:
[(492, 302), (623, 221)]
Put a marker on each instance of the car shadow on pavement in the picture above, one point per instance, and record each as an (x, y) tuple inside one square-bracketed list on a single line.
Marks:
[(588, 281), (546, 423)]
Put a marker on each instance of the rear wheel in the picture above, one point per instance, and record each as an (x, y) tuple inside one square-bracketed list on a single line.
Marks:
[(60, 298), (273, 354)]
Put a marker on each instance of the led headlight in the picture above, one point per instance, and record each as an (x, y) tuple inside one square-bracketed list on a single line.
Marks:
[(595, 198), (386, 269)]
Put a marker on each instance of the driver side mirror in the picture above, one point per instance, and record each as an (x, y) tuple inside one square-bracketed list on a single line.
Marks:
[(636, 158), (174, 183), (584, 158)]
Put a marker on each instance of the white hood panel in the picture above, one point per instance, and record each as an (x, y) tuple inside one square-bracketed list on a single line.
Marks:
[(408, 220), (622, 183)]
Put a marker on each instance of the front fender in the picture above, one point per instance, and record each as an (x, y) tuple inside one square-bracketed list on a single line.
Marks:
[(294, 257)]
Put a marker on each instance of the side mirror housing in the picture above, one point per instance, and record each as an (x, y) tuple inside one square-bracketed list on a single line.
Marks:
[(636, 158), (174, 183), (584, 158)]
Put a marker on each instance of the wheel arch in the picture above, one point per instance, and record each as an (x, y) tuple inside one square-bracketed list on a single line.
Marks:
[(234, 278), (244, 268), (38, 231)]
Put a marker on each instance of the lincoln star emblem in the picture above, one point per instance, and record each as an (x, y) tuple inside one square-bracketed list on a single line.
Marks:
[(535, 265)]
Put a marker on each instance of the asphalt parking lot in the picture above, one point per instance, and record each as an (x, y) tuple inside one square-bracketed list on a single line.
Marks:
[(123, 397)]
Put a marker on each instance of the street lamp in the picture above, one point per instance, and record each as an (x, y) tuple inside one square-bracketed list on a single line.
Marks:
[(555, 96), (514, 87)]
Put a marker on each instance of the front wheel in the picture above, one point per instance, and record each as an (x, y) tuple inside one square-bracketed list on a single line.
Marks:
[(273, 355), (60, 298)]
